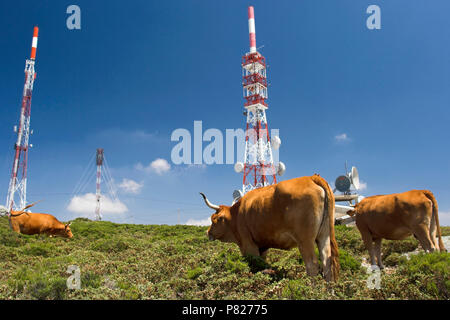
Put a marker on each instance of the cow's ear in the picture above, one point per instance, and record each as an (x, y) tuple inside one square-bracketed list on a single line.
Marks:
[(68, 224)]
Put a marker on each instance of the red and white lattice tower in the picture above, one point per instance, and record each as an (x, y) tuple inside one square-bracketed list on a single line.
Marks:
[(17, 191), (99, 162), (258, 167)]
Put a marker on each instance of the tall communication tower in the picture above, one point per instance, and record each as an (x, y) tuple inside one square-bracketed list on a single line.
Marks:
[(99, 161), (258, 167), (18, 183)]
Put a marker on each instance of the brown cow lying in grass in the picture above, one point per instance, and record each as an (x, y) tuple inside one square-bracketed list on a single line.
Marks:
[(37, 223), (293, 213), (395, 217)]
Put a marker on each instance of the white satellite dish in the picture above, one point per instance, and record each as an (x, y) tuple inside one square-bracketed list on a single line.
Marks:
[(276, 142), (237, 194), (281, 168), (354, 178), (239, 167)]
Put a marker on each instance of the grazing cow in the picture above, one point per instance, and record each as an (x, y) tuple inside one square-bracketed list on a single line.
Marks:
[(293, 213), (36, 223), (397, 216)]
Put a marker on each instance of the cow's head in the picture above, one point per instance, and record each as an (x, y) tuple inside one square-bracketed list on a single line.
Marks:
[(220, 228), (66, 232), (353, 212)]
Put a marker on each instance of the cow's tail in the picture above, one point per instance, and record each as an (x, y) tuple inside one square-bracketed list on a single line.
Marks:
[(430, 196), (329, 205)]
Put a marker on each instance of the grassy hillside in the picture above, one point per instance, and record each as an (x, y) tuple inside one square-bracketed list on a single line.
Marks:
[(121, 261)]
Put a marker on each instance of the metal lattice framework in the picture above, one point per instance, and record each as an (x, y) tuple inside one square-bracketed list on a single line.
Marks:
[(17, 191), (259, 169), (102, 176), (99, 162)]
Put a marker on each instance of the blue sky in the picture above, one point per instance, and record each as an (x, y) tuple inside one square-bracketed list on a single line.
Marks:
[(138, 70)]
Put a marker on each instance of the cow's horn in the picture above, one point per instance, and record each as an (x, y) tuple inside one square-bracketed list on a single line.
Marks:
[(68, 224), (209, 204)]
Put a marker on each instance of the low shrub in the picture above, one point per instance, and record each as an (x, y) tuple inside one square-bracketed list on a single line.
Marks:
[(430, 271), (40, 249), (194, 273), (349, 262), (110, 245)]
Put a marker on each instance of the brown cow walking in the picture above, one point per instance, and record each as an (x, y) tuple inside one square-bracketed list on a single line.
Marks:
[(293, 213), (397, 216)]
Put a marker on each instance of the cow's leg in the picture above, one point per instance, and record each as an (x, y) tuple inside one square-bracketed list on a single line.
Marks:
[(423, 234), (433, 230), (323, 243), (306, 248), (14, 226), (368, 242), (250, 248), (263, 253), (378, 252)]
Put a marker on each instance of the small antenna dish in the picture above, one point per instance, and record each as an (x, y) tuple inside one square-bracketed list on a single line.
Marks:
[(343, 184), (237, 194), (239, 167), (276, 142), (281, 168), (354, 177)]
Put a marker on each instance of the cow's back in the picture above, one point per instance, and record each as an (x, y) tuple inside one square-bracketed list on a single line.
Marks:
[(270, 213), (33, 223), (392, 216)]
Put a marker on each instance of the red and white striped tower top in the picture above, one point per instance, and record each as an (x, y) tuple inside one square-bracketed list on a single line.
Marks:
[(251, 29), (34, 43)]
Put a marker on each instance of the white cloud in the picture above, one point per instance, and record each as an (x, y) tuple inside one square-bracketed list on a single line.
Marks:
[(158, 166), (341, 137), (202, 222), (86, 204), (130, 186), (362, 185)]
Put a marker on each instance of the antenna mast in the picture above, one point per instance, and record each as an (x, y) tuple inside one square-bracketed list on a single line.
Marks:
[(99, 161), (18, 182), (258, 167)]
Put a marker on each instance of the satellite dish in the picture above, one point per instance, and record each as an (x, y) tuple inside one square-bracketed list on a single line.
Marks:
[(276, 142), (354, 177), (239, 167), (281, 168), (237, 194), (343, 183)]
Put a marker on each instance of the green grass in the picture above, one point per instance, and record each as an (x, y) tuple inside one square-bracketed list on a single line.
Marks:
[(121, 261)]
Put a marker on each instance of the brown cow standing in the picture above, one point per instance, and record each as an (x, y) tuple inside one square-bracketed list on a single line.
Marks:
[(293, 213), (397, 216), (37, 223)]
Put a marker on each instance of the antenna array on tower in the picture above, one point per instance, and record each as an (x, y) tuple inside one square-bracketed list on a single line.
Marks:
[(17, 191), (258, 167)]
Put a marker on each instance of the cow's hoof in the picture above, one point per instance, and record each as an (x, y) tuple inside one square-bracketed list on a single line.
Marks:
[(374, 268)]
